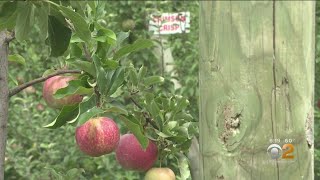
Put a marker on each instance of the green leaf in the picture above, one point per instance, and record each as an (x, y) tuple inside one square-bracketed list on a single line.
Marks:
[(75, 50), (184, 167), (59, 36), (74, 87), (84, 117), (66, 114), (116, 80), (75, 173), (75, 39), (17, 58), (153, 80), (133, 76), (181, 104), (102, 49), (24, 21), (183, 116), (165, 134), (13, 79), (156, 114), (85, 66), (183, 132), (149, 97), (117, 110), (110, 64), (192, 128), (142, 73), (153, 109), (48, 72), (120, 38), (80, 25), (171, 125), (42, 20), (184, 145), (118, 93), (101, 75), (106, 35), (136, 129), (84, 106), (136, 46), (8, 15)]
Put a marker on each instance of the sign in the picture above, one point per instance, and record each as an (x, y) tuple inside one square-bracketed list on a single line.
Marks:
[(170, 23)]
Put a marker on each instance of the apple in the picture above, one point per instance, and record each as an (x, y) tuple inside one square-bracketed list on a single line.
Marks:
[(160, 174), (131, 156), (55, 83), (40, 107), (98, 136), (20, 80), (128, 25), (318, 103), (30, 90)]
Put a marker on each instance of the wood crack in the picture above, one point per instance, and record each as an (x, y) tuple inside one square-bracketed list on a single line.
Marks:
[(274, 71)]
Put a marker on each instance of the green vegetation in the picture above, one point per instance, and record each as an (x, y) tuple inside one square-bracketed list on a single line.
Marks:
[(35, 152)]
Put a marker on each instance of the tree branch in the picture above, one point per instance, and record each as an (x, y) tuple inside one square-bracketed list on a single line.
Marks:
[(10, 35), (145, 114), (38, 80), (136, 103), (96, 91)]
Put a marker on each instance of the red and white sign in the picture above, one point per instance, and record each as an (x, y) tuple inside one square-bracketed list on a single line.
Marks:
[(170, 23)]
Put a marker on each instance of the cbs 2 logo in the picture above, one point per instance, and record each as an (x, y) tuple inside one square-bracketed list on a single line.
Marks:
[(275, 151)]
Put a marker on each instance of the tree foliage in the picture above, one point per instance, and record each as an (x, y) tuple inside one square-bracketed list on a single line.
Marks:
[(118, 80)]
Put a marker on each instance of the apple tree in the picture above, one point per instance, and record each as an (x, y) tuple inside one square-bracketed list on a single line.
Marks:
[(99, 88)]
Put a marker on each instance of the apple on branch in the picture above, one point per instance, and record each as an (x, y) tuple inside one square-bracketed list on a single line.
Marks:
[(55, 83), (160, 174), (98, 136), (131, 156)]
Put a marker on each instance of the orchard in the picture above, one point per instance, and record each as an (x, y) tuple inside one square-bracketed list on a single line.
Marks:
[(114, 106), (158, 90)]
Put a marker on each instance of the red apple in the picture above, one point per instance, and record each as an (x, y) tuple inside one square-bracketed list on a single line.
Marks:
[(98, 136), (160, 174), (131, 156), (318, 103), (50, 87)]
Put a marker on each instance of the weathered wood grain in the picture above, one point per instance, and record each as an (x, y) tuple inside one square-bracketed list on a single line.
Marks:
[(256, 84)]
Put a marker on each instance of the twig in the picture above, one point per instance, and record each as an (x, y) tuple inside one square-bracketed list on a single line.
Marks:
[(96, 91), (145, 114), (38, 80), (149, 120), (136, 103), (86, 52)]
